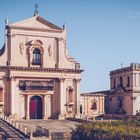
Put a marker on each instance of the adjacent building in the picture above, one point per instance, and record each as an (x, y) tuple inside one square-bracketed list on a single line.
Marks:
[(93, 103), (124, 96), (38, 78)]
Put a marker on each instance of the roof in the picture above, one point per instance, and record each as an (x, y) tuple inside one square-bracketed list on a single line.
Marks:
[(35, 22), (132, 67), (96, 93)]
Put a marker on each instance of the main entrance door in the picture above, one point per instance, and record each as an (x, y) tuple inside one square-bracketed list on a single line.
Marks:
[(36, 107)]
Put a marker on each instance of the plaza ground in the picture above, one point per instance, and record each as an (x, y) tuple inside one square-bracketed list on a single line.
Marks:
[(53, 125)]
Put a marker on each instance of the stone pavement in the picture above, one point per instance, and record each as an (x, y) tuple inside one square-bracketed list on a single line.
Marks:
[(51, 129), (9, 132)]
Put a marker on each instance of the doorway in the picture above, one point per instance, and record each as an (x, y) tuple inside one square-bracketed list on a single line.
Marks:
[(35, 107)]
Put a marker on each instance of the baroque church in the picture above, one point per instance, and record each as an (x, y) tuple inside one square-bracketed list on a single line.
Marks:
[(38, 78)]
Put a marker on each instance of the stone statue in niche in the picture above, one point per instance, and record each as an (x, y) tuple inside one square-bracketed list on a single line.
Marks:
[(50, 50), (21, 48)]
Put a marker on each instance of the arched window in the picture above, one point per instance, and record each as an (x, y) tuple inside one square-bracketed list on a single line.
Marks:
[(121, 81), (114, 86), (94, 105), (128, 81), (36, 57)]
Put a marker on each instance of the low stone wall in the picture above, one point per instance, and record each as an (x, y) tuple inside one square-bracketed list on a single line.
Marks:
[(60, 135)]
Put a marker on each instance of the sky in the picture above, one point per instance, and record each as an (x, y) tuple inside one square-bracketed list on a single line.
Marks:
[(102, 35)]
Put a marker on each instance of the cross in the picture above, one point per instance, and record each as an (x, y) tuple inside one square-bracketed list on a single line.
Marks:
[(36, 12), (121, 65)]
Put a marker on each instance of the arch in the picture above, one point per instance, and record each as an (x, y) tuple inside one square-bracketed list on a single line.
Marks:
[(121, 81), (94, 105), (114, 84), (70, 95), (36, 42), (35, 107), (31, 53), (128, 81)]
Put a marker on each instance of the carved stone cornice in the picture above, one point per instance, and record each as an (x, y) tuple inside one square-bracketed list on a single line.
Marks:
[(39, 69), (36, 29)]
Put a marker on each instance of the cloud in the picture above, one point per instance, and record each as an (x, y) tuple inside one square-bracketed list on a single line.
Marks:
[(134, 14)]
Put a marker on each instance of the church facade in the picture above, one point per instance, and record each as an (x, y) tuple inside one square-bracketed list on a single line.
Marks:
[(38, 78)]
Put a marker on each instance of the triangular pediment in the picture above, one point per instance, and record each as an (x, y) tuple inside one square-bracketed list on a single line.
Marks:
[(37, 23)]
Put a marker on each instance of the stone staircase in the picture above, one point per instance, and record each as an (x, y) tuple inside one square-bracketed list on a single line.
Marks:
[(11, 129)]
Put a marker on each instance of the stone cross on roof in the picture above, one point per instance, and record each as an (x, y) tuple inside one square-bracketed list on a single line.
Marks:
[(36, 11)]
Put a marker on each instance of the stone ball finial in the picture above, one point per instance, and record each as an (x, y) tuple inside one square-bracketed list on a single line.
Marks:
[(6, 21), (64, 26)]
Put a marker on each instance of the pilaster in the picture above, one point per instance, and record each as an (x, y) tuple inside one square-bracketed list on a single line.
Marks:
[(57, 53), (12, 95), (62, 101), (46, 106), (27, 106), (77, 96)]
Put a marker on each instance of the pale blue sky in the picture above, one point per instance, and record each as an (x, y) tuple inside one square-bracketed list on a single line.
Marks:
[(101, 34)]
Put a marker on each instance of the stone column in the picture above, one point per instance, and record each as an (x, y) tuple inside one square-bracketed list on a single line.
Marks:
[(27, 106), (87, 105), (48, 111), (46, 106), (103, 104), (99, 106), (84, 106), (77, 96), (62, 101), (12, 96)]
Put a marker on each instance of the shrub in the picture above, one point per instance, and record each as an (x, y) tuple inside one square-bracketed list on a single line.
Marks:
[(115, 130)]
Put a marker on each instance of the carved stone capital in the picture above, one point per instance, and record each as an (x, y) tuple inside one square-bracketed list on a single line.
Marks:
[(13, 78), (61, 79), (77, 80), (61, 39), (13, 35), (133, 98)]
